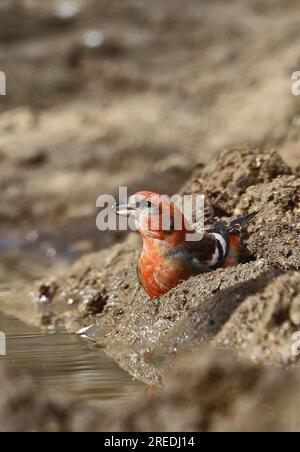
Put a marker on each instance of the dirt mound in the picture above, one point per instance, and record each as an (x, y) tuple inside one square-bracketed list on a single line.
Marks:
[(79, 121), (93, 103), (101, 292), (229, 175), (276, 234), (265, 327)]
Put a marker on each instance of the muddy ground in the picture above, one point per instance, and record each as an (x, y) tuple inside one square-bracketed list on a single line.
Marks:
[(161, 98), (250, 311), (101, 291)]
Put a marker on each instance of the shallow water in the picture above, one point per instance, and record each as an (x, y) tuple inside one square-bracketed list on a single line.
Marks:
[(64, 363), (60, 361)]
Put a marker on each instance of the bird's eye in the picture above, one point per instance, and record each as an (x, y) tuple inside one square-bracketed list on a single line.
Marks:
[(144, 204)]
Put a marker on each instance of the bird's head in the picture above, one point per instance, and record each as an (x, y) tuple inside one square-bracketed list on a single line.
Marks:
[(155, 216)]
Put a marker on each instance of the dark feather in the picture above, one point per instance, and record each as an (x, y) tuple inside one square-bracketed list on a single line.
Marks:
[(240, 223)]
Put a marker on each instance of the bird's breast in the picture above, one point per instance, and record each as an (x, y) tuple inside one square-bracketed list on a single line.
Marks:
[(159, 273)]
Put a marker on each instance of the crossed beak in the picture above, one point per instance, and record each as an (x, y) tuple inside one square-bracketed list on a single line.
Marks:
[(124, 209)]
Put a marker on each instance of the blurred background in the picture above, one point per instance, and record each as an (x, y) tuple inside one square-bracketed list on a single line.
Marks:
[(103, 93), (109, 93)]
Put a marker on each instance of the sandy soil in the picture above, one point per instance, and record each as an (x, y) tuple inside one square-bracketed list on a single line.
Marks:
[(164, 88), (101, 291), (168, 87)]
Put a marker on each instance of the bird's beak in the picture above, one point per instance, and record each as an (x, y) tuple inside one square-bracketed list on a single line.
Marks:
[(123, 209)]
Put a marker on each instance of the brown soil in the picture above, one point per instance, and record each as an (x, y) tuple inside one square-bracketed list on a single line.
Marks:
[(101, 291), (78, 123), (168, 87)]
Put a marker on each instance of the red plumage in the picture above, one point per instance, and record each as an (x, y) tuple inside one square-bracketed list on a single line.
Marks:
[(167, 257)]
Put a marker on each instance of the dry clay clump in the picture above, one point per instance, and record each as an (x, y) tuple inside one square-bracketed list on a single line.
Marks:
[(266, 327), (243, 180), (276, 233), (231, 173)]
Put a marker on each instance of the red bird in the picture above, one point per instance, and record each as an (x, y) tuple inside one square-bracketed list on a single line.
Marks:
[(167, 257)]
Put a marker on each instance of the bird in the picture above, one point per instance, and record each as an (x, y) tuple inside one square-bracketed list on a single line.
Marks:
[(167, 257)]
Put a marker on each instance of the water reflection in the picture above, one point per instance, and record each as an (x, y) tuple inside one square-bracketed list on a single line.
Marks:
[(64, 363), (58, 362)]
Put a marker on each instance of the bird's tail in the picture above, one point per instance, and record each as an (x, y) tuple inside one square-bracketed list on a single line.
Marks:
[(235, 229), (238, 225)]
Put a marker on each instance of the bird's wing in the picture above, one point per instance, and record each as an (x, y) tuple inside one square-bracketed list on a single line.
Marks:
[(214, 248), (203, 255)]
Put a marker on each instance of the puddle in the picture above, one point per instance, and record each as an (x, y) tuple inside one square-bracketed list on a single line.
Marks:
[(57, 362), (64, 363)]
